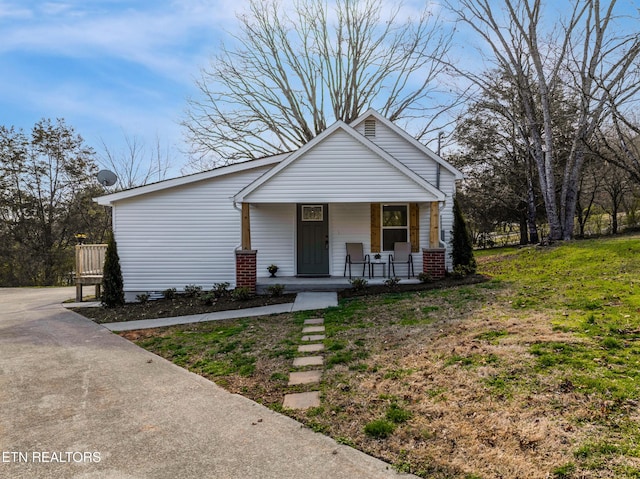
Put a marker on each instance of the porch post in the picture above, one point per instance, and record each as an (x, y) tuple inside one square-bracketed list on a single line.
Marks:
[(246, 227), (246, 258), (433, 258), (434, 225)]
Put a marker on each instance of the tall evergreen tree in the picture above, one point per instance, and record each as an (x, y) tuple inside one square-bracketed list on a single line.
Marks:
[(112, 283), (462, 248)]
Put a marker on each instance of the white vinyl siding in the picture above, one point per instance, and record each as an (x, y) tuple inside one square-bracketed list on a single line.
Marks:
[(338, 169), (424, 166), (348, 223), (182, 235), (273, 234)]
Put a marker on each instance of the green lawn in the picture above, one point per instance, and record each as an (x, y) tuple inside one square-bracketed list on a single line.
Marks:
[(533, 374)]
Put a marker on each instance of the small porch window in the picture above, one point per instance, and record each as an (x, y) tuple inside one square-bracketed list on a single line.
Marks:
[(395, 225)]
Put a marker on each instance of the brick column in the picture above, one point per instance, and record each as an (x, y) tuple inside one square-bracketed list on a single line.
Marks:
[(246, 269), (433, 262)]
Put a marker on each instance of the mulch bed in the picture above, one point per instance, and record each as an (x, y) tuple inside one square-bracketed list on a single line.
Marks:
[(178, 306)]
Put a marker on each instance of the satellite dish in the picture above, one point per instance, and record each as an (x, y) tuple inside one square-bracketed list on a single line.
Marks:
[(107, 178)]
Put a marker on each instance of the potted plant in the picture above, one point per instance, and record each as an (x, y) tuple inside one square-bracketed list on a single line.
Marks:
[(377, 257), (272, 268)]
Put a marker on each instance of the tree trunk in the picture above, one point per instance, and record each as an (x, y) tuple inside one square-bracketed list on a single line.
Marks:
[(524, 237), (570, 192), (531, 207)]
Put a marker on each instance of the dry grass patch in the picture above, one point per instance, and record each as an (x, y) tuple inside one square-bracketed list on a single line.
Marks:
[(535, 375)]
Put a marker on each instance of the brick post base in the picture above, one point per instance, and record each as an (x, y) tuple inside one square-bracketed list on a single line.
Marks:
[(246, 269), (433, 262)]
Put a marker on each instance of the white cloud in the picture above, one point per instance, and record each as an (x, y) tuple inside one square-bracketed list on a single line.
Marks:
[(9, 11), (166, 37)]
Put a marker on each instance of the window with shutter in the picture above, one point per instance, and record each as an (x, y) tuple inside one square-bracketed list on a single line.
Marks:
[(393, 223)]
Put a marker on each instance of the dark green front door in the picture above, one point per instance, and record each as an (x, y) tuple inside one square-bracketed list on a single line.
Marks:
[(313, 240)]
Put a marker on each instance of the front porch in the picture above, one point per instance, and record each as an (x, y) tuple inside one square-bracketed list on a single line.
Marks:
[(294, 284)]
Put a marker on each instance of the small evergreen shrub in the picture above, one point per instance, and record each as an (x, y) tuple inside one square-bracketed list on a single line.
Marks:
[(460, 271), (358, 284), (221, 290), (424, 277), (208, 298), (275, 290), (392, 283), (112, 282), (143, 297), (461, 244), (241, 294), (169, 293), (192, 291)]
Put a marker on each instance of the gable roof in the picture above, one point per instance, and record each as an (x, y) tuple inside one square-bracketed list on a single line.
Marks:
[(360, 139), (108, 200), (406, 136)]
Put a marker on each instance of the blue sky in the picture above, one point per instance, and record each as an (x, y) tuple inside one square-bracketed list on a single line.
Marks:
[(108, 67), (112, 68)]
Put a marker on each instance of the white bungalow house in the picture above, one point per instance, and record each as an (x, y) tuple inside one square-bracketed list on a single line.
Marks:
[(295, 210)]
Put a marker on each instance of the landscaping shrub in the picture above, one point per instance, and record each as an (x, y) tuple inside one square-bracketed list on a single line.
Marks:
[(192, 291), (143, 297), (424, 277), (221, 290), (241, 294), (392, 283), (112, 282), (461, 245), (208, 298), (169, 293), (358, 284), (275, 290)]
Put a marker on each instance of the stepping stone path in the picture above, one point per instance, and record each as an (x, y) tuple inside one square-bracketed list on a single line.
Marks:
[(312, 398)]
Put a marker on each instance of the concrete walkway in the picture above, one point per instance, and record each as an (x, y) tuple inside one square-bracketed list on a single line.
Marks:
[(81, 402)]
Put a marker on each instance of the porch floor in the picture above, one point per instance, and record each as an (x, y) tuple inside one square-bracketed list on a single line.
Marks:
[(294, 284)]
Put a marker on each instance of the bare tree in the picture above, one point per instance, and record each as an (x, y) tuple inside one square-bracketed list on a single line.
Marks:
[(619, 142), (288, 74), (136, 164), (587, 55)]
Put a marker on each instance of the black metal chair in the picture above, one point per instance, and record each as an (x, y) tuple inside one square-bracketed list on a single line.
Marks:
[(355, 255), (401, 254)]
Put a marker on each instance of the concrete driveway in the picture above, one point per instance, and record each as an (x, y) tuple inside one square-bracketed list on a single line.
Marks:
[(77, 401)]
